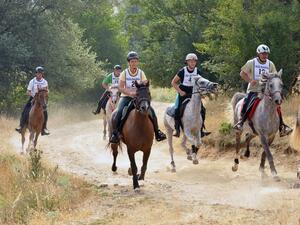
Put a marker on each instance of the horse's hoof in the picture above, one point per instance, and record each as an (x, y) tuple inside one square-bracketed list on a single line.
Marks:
[(189, 157), (247, 154), (235, 168), (129, 172), (276, 178), (114, 169), (173, 170), (195, 161), (140, 177)]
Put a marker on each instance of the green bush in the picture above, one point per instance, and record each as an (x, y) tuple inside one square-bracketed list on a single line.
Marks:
[(225, 128)]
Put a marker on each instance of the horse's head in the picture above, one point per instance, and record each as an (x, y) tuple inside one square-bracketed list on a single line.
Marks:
[(143, 97), (273, 86), (41, 97), (114, 94), (204, 86)]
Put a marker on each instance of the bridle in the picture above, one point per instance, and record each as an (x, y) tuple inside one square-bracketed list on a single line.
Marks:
[(138, 100), (271, 94)]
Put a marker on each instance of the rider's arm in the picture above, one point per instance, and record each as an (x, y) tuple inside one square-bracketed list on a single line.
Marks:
[(175, 83), (124, 90), (245, 76), (107, 80), (246, 73)]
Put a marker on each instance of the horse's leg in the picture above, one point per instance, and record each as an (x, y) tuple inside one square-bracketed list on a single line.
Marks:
[(171, 149), (187, 150), (35, 139), (104, 126), (114, 148), (23, 140), (144, 166), (265, 144), (30, 140), (249, 137), (133, 169), (263, 160), (194, 154), (237, 151)]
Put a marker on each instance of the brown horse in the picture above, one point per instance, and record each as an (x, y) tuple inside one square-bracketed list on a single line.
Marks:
[(137, 133), (36, 118)]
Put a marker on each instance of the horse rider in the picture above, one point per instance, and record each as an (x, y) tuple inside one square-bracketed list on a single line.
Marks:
[(110, 79), (128, 90), (251, 73), (183, 84), (39, 82)]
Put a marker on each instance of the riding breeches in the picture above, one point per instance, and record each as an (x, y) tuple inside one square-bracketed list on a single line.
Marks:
[(248, 102), (180, 100)]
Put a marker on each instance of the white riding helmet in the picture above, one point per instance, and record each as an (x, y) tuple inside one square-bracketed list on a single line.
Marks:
[(191, 56), (262, 48)]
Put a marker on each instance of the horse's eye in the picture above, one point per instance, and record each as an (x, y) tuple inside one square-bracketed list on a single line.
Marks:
[(202, 83), (271, 85)]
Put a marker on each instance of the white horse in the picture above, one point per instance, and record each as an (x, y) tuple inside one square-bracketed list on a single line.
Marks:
[(191, 120), (111, 105), (265, 121)]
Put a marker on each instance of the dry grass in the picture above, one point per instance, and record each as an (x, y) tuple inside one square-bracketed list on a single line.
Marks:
[(23, 199)]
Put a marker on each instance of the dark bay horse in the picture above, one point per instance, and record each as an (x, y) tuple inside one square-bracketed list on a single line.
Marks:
[(36, 118), (137, 133)]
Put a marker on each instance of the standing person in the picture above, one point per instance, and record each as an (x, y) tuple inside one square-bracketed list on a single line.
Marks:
[(251, 73), (34, 85), (183, 84), (128, 90), (110, 79)]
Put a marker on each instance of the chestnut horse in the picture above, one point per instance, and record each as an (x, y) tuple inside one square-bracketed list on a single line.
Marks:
[(36, 118), (137, 133)]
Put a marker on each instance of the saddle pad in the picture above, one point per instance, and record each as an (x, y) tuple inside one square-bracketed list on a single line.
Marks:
[(171, 109), (252, 111)]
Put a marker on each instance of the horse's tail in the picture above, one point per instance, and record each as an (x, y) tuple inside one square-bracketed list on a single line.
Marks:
[(114, 147), (295, 136), (231, 107), (236, 98)]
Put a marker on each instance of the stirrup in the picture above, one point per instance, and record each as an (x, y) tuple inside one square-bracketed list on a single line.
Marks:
[(96, 112), (19, 129), (160, 136), (177, 133), (238, 126), (114, 138), (285, 130)]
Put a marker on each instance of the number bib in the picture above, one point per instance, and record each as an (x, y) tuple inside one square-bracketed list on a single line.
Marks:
[(114, 79), (130, 80), (260, 68), (188, 77)]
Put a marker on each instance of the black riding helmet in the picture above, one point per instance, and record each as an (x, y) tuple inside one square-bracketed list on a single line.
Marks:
[(39, 69), (132, 55)]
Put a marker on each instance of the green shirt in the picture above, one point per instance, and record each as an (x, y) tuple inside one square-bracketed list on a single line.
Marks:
[(110, 79)]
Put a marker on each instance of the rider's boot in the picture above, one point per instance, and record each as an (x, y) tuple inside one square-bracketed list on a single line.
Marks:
[(159, 135), (239, 125), (115, 137), (45, 131), (177, 128), (98, 110), (204, 133)]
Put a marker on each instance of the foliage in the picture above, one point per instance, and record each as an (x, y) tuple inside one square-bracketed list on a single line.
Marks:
[(236, 29)]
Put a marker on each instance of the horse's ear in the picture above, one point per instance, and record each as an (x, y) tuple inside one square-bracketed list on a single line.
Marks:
[(147, 83), (137, 84), (279, 73), (196, 79)]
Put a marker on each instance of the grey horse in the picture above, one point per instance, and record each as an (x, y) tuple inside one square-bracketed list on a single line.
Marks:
[(265, 120), (191, 120)]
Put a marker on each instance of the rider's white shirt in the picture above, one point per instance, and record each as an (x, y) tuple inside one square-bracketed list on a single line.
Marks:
[(188, 77), (114, 79), (260, 68), (130, 80), (35, 84)]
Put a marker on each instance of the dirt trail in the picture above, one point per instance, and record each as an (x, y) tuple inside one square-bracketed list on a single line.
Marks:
[(208, 193)]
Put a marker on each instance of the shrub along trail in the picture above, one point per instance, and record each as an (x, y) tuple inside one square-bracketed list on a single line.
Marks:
[(207, 193)]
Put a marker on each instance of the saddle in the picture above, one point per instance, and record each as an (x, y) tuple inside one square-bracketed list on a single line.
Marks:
[(171, 109)]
